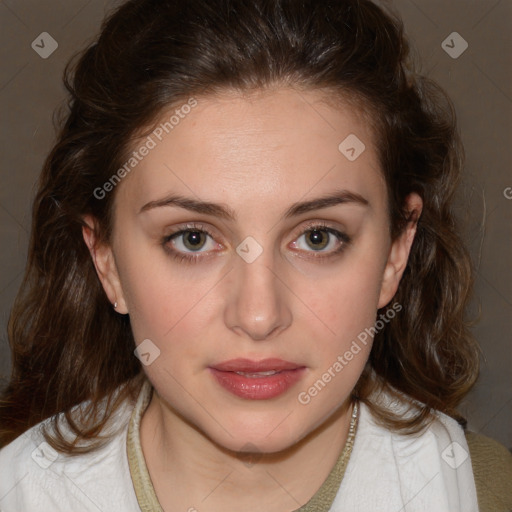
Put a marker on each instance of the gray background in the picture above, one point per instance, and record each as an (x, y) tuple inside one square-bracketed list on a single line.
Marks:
[(478, 81)]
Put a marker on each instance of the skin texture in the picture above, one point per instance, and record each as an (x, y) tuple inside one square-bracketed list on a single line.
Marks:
[(257, 154)]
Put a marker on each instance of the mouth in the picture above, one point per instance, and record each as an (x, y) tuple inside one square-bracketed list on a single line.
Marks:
[(257, 380), (257, 375)]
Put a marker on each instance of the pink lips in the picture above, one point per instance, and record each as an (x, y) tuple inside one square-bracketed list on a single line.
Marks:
[(257, 380)]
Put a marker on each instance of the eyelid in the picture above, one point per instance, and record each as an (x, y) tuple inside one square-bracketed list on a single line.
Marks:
[(312, 224), (191, 226)]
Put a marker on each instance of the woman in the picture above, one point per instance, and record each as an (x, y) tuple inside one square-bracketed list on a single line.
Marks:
[(262, 191)]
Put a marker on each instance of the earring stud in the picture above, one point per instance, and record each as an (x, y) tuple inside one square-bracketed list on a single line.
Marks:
[(115, 305)]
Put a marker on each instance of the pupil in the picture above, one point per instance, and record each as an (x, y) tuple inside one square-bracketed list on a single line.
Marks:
[(194, 238), (316, 237)]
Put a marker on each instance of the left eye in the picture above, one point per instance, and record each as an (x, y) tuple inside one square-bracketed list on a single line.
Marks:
[(318, 239)]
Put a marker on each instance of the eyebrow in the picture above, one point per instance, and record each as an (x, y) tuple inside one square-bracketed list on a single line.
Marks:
[(225, 212)]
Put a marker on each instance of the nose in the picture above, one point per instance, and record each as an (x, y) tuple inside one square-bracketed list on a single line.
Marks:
[(257, 299)]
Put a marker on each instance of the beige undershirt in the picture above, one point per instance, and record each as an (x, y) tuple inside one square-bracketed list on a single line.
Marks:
[(146, 497)]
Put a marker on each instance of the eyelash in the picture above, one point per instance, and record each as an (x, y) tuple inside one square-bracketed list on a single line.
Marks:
[(194, 258)]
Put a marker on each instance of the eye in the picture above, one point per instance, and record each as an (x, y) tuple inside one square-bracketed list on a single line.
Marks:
[(190, 240), (183, 244), (321, 238)]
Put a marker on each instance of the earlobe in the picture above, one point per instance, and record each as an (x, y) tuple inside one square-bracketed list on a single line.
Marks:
[(399, 252), (105, 265)]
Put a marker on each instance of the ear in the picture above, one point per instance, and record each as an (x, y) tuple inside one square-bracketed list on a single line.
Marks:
[(104, 262), (399, 252)]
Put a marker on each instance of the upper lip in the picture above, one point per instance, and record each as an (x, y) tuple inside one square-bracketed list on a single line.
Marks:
[(248, 365)]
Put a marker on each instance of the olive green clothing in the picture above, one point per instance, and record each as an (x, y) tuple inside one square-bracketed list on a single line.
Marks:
[(492, 468)]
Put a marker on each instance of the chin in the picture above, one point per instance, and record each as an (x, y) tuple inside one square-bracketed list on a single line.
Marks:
[(272, 434)]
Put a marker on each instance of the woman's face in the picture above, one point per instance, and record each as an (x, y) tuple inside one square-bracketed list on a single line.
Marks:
[(251, 250)]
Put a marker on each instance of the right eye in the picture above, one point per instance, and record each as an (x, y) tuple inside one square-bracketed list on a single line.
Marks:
[(187, 244)]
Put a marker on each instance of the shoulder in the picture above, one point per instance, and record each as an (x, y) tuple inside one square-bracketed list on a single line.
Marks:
[(33, 476), (492, 467), (425, 471)]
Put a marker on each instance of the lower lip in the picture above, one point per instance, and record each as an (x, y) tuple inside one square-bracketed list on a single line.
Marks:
[(258, 388)]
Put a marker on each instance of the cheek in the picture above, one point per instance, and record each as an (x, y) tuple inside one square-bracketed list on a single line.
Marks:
[(171, 312), (346, 303), (347, 306), (161, 300), (164, 308)]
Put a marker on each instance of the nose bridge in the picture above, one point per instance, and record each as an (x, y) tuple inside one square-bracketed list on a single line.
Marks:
[(257, 304)]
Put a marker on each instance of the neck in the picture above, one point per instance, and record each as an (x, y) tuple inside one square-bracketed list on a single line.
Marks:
[(189, 470)]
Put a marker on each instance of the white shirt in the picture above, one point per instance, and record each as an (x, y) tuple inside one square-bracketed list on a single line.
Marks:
[(33, 480), (386, 472), (429, 472)]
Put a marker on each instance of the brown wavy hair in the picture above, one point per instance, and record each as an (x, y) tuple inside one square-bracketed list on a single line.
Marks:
[(67, 343)]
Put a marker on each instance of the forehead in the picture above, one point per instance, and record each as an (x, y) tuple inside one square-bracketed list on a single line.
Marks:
[(268, 145)]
